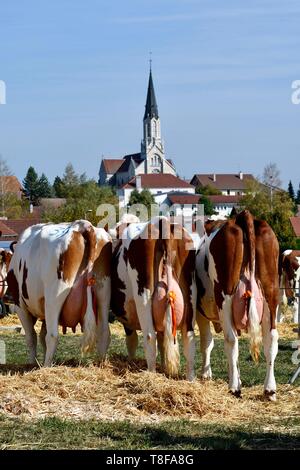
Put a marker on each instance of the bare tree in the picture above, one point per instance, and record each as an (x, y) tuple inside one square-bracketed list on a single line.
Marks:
[(271, 176), (4, 171)]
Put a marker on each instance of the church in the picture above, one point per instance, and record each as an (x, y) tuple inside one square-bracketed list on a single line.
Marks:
[(150, 160)]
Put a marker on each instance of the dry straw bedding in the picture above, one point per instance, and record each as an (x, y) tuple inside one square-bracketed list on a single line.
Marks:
[(116, 391), (121, 391)]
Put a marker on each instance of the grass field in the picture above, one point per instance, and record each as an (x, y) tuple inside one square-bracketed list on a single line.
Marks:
[(78, 405)]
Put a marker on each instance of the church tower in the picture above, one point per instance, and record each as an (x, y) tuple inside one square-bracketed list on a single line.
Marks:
[(152, 149)]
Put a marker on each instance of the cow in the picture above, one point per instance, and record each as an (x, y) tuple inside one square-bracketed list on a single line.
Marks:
[(289, 279), (154, 290), (5, 257), (237, 281), (60, 274)]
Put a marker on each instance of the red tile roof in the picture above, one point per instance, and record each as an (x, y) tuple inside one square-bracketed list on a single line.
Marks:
[(111, 165), (223, 181), (19, 225), (10, 184), (295, 221), (223, 199), (184, 198), (158, 180), (6, 232)]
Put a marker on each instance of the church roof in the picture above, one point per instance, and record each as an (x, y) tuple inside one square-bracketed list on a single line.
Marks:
[(158, 180), (111, 165), (151, 109), (136, 157)]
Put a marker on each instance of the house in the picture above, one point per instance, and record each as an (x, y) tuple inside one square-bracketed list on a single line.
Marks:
[(223, 204), (295, 222), (161, 186), (182, 203), (150, 160), (10, 185), (7, 235), (11, 229), (230, 184)]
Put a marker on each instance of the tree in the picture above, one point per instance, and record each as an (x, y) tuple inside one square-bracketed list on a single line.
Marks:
[(208, 205), (44, 187), (298, 196), (4, 172), (291, 191), (207, 190), (87, 197), (31, 185), (15, 208), (271, 176), (276, 211), (144, 197), (70, 178), (58, 187)]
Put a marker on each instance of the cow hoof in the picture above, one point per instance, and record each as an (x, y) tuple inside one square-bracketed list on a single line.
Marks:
[(190, 377), (236, 393), (270, 395), (206, 377)]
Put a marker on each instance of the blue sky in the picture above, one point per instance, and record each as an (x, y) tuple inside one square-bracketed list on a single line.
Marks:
[(76, 74)]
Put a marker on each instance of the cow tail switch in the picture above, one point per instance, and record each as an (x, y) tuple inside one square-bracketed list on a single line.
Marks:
[(172, 298), (91, 282), (247, 296)]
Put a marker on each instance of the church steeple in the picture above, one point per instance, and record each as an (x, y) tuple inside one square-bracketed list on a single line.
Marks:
[(152, 149), (151, 109)]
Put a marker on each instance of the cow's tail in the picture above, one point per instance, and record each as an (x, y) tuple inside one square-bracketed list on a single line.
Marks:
[(90, 317), (246, 222), (254, 330), (90, 321), (170, 343)]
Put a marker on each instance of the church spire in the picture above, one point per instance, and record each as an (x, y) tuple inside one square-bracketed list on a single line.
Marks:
[(151, 109)]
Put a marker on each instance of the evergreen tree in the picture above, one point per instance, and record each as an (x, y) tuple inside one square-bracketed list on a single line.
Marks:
[(298, 196), (44, 187), (31, 185), (291, 191), (70, 178), (58, 187)]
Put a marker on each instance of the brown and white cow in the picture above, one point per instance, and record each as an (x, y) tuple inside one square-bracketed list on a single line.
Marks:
[(60, 274), (289, 279), (154, 290), (5, 257), (237, 277)]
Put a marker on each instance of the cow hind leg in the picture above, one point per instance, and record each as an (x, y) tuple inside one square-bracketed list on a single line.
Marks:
[(231, 346), (270, 342), (28, 322), (42, 337), (143, 307), (160, 343), (131, 343), (295, 310), (51, 316), (102, 327), (188, 338), (206, 346)]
